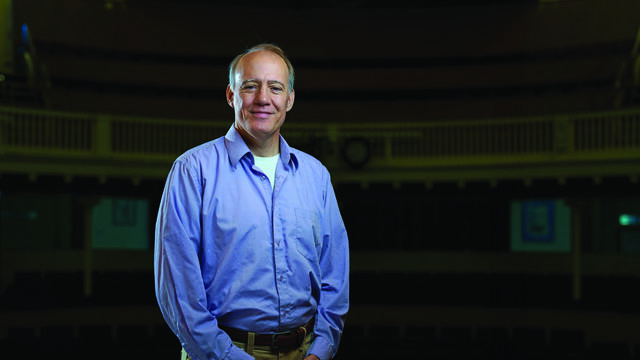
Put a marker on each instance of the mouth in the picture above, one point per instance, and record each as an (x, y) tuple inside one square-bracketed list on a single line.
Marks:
[(261, 114)]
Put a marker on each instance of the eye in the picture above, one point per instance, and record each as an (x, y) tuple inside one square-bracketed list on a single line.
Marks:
[(277, 89), (249, 86)]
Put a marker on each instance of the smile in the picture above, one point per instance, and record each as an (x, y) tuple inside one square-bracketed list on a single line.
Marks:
[(261, 113)]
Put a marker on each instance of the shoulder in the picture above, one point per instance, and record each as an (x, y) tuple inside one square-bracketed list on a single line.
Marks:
[(308, 165), (202, 153), (307, 159)]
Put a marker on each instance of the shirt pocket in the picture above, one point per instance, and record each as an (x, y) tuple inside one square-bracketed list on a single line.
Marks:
[(308, 238)]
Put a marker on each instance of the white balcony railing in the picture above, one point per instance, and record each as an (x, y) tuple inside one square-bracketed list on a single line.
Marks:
[(35, 135)]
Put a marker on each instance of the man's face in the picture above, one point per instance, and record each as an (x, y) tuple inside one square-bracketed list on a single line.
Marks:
[(261, 95)]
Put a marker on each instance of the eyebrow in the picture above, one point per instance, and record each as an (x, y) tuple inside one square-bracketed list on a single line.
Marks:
[(268, 82)]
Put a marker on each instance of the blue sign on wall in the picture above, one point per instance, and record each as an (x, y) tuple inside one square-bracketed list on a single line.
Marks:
[(538, 221)]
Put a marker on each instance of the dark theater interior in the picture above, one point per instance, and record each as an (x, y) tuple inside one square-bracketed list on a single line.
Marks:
[(485, 155)]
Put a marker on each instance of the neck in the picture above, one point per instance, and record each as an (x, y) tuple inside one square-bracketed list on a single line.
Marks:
[(269, 146)]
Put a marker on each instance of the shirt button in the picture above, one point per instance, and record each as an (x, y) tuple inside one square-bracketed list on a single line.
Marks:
[(281, 278)]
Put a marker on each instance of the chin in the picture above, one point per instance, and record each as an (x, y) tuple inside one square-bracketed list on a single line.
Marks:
[(265, 125)]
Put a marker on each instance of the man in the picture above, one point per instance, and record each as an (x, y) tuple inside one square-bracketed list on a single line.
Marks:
[(251, 254)]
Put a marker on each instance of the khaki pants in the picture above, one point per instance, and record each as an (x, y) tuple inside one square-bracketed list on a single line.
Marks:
[(260, 352)]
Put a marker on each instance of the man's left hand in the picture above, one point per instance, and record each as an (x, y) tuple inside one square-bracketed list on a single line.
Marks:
[(312, 357)]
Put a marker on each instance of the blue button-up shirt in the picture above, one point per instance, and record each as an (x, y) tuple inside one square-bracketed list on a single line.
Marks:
[(232, 251)]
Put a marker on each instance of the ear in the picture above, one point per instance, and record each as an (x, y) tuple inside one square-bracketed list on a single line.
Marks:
[(290, 99), (229, 96)]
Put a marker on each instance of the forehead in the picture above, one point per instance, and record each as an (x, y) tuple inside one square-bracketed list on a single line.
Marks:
[(262, 65)]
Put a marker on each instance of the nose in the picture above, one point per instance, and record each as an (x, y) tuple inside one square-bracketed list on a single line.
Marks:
[(262, 97)]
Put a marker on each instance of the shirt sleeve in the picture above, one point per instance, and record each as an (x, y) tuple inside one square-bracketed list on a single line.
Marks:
[(178, 279), (334, 295)]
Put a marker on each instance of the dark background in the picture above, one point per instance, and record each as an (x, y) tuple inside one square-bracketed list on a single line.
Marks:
[(434, 274)]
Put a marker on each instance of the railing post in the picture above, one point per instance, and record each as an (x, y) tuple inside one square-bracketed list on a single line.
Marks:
[(563, 135), (102, 135), (388, 146)]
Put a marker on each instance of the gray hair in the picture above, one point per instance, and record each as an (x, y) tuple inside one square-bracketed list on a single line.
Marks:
[(261, 47)]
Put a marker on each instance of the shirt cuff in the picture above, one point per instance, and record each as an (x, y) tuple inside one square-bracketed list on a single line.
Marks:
[(321, 348)]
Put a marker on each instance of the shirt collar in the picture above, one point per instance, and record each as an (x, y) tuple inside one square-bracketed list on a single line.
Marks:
[(237, 149)]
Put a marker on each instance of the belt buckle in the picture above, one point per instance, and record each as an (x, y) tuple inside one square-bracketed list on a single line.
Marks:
[(273, 338)]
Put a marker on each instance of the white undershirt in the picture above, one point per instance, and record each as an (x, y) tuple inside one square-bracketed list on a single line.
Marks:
[(268, 166)]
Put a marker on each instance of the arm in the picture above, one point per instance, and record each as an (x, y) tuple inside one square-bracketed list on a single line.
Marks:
[(334, 297), (178, 280)]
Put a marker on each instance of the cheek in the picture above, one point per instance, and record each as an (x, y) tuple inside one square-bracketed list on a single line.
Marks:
[(285, 104), (237, 101), (240, 105)]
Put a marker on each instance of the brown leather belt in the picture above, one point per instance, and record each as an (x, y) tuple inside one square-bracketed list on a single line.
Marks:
[(292, 339)]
